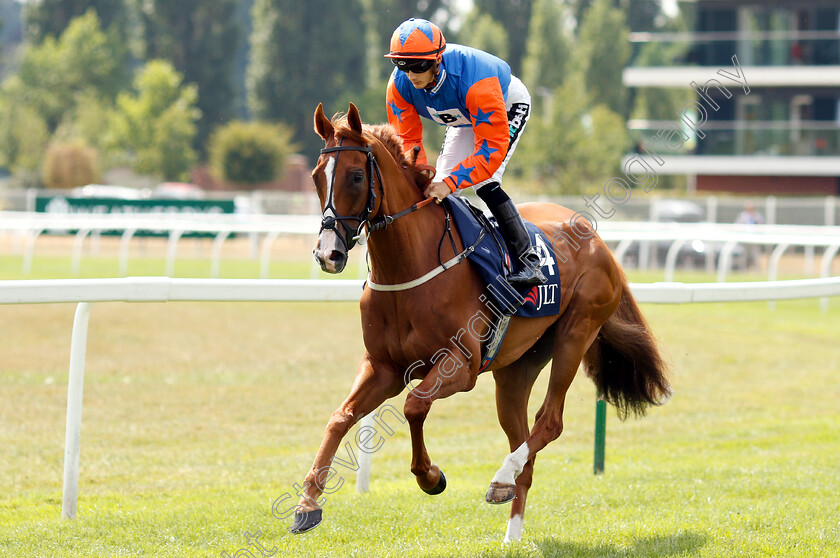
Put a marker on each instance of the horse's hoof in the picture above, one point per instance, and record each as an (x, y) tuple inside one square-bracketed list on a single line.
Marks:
[(500, 493), (438, 488), (306, 521)]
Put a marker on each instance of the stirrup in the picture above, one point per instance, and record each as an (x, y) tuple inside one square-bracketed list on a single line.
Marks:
[(528, 273), (526, 277)]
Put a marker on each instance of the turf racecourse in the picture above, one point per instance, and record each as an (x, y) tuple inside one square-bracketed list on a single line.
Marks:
[(198, 415)]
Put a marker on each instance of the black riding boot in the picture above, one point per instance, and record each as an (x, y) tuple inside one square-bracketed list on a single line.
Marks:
[(526, 260)]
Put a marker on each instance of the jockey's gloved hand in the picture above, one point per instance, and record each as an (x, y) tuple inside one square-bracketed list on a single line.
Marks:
[(437, 190)]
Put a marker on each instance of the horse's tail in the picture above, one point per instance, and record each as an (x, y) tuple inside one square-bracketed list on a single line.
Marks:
[(624, 361)]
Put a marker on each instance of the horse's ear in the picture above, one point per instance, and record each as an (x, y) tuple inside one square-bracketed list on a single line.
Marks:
[(353, 119), (322, 124)]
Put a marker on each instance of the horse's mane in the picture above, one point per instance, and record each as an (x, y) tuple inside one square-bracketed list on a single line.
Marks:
[(388, 137)]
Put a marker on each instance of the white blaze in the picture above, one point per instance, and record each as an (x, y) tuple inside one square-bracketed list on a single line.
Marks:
[(328, 240)]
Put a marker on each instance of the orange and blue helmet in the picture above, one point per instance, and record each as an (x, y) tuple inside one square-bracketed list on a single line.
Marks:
[(417, 39)]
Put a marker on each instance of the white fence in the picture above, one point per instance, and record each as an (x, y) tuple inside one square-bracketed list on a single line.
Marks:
[(718, 208), (728, 237), (165, 289), (264, 230)]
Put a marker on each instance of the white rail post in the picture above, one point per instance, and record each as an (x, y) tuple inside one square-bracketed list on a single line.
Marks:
[(770, 209), (216, 254), (78, 245), (29, 250), (671, 259), (172, 251), (265, 256), (363, 476), (825, 270), (711, 209), (621, 249), (725, 260), (75, 390), (773, 267), (125, 250)]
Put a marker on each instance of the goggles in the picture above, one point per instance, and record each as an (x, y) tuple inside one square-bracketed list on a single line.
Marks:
[(414, 65)]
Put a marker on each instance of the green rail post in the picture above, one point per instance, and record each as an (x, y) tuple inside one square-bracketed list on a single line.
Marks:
[(600, 434)]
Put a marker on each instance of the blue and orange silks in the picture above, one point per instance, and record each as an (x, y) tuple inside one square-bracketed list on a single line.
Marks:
[(471, 90)]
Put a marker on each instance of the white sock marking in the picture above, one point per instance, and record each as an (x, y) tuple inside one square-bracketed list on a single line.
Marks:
[(512, 465), (514, 529)]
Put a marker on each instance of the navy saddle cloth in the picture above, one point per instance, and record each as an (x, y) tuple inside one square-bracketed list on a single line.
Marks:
[(491, 259)]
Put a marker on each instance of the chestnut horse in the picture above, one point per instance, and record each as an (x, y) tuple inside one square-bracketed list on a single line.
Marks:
[(417, 311)]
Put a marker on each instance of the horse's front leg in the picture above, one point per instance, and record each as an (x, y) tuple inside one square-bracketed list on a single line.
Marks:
[(451, 374), (375, 382)]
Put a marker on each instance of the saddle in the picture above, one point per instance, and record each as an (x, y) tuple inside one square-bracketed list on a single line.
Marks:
[(491, 259)]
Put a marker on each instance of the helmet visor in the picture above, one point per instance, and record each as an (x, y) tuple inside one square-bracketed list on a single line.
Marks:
[(414, 65)]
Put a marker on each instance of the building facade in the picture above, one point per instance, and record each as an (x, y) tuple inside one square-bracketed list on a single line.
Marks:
[(766, 111)]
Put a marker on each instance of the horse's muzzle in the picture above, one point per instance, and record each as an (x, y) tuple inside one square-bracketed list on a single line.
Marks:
[(329, 254)]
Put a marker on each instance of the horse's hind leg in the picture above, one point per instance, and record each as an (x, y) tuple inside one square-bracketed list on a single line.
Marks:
[(513, 388), (576, 330)]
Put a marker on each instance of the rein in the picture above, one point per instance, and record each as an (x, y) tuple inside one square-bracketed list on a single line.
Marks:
[(384, 220)]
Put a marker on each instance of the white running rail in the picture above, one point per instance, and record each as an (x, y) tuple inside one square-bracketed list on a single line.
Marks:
[(165, 289), (29, 226)]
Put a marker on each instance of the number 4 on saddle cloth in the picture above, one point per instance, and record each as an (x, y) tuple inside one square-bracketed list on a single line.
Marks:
[(492, 261)]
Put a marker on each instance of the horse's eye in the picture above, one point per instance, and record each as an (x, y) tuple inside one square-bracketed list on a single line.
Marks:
[(358, 177)]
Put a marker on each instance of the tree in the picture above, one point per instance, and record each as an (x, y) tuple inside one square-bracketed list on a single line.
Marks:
[(487, 34), (154, 128), (50, 18), (577, 147), (642, 15), (11, 30), (82, 60), (546, 62), (250, 153), (201, 39), (602, 53), (515, 16), (71, 164), (242, 55), (23, 133), (382, 17), (300, 58), (656, 103), (579, 8)]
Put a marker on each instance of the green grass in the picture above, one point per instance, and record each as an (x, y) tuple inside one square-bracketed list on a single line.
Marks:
[(198, 415)]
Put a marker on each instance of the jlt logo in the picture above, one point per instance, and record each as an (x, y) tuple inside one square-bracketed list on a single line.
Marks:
[(547, 293), (542, 295)]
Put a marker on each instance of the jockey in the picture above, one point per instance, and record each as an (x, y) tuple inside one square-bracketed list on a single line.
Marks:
[(484, 108)]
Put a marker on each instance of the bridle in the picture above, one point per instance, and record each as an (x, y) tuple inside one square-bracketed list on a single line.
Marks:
[(328, 222)]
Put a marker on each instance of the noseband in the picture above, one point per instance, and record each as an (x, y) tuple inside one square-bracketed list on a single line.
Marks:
[(329, 222)]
